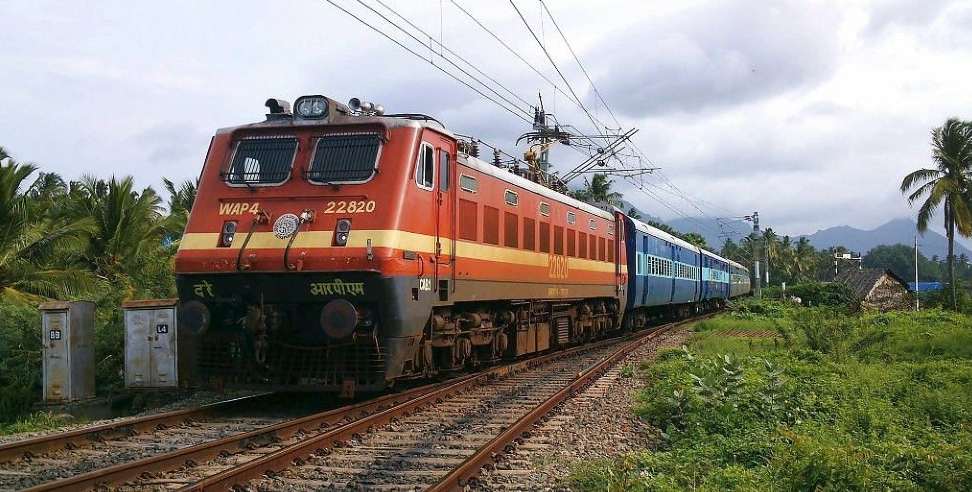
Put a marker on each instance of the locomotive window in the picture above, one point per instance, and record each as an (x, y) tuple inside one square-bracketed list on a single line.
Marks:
[(262, 161), (345, 158), (529, 234), (593, 224), (544, 208), (468, 183), (571, 243), (511, 197), (425, 168), (490, 225), (510, 229), (582, 244), (443, 170), (544, 237), (558, 240), (571, 218)]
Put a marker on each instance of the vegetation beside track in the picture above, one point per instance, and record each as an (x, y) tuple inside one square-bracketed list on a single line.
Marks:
[(829, 400)]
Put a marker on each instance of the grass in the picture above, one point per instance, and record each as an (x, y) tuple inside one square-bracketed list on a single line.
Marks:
[(835, 402), (37, 421)]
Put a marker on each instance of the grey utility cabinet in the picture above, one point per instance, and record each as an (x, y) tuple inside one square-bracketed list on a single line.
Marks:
[(68, 350), (151, 344)]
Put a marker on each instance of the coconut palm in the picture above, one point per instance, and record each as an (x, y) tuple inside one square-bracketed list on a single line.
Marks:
[(598, 191), (945, 185), (128, 229), (181, 200), (37, 252)]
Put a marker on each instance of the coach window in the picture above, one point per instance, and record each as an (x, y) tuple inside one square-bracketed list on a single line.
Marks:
[(511, 197), (468, 183), (425, 168), (444, 174)]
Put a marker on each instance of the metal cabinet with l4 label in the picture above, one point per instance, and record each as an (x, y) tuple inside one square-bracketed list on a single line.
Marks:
[(151, 345)]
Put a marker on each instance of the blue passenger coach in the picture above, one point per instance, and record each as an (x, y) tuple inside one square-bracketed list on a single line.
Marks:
[(669, 276)]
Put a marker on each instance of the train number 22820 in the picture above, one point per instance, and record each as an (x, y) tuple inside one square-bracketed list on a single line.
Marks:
[(351, 207)]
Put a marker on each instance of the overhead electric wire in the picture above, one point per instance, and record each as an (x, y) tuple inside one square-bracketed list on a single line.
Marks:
[(579, 64), (510, 49), (443, 70), (556, 68), (453, 53), (429, 46)]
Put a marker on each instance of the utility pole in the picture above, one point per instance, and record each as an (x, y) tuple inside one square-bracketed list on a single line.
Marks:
[(757, 242), (850, 257), (917, 307)]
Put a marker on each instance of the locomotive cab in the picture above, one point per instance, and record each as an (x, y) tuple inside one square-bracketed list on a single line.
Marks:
[(318, 242)]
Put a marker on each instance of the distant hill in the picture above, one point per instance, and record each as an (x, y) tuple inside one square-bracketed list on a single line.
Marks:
[(897, 231), (714, 231)]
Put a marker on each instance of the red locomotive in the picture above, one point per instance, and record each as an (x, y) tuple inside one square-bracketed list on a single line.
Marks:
[(339, 248)]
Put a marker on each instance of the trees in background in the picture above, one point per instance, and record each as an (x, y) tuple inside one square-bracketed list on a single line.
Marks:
[(947, 186)]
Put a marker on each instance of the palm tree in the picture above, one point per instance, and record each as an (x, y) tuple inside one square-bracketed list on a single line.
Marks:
[(804, 257), (598, 191), (947, 184), (36, 251), (181, 200), (128, 225), (633, 213)]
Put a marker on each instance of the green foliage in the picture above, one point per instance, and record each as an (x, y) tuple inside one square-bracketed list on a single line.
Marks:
[(822, 294), (854, 402), (102, 240)]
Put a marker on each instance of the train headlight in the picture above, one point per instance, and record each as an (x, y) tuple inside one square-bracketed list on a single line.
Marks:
[(338, 319), (227, 234), (311, 107), (341, 232)]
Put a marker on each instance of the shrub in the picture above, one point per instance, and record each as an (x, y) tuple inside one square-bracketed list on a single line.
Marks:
[(823, 294)]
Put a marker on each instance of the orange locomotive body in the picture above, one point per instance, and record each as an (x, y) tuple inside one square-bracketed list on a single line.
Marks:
[(343, 249)]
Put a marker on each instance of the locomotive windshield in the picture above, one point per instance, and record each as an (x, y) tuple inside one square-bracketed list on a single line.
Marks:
[(345, 158), (262, 161)]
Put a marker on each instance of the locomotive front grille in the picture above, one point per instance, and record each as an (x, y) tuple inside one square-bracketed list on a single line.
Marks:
[(326, 366)]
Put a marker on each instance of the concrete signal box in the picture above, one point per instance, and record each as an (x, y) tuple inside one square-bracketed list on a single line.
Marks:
[(68, 350), (151, 344)]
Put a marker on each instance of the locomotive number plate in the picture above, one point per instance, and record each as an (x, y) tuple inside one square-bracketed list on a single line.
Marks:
[(350, 207)]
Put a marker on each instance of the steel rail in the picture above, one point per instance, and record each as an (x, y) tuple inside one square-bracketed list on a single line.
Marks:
[(462, 476), (287, 457), (71, 439), (206, 451)]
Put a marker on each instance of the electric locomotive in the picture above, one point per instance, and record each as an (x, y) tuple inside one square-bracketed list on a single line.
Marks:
[(339, 248)]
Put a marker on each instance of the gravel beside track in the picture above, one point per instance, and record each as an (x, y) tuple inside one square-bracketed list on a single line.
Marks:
[(597, 423)]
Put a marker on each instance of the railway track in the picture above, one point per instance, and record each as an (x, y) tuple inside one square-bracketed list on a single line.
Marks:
[(437, 436), (58, 455)]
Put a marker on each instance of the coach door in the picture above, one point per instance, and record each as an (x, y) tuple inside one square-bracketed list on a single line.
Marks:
[(445, 226)]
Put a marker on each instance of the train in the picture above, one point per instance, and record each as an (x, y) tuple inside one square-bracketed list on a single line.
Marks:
[(337, 248)]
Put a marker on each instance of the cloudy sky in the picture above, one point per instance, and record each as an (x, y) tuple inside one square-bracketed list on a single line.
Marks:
[(810, 112)]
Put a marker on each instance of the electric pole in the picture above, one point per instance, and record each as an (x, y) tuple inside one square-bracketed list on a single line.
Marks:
[(917, 307), (756, 242)]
